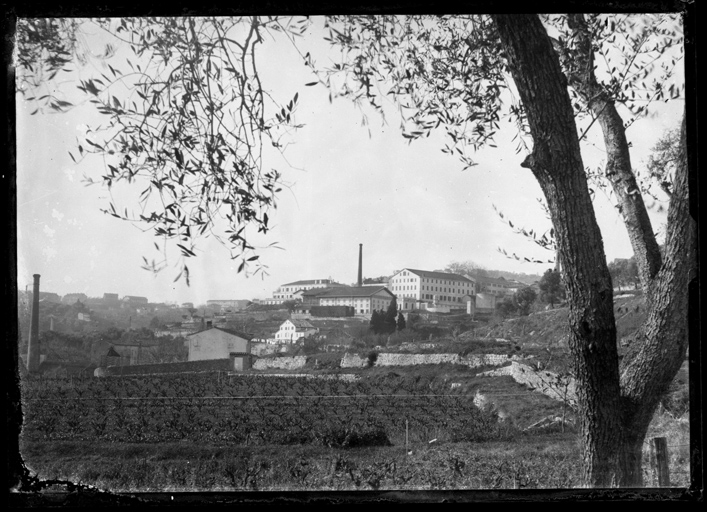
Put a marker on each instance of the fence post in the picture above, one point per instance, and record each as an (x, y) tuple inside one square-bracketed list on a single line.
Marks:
[(406, 437), (660, 446)]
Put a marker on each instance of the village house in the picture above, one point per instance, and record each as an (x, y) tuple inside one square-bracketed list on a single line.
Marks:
[(218, 343), (111, 298), (420, 289), (364, 299), (131, 352), (228, 305), (294, 330), (132, 300), (497, 285), (72, 298)]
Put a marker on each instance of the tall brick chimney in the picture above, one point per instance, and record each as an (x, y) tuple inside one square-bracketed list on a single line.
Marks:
[(33, 344), (360, 265)]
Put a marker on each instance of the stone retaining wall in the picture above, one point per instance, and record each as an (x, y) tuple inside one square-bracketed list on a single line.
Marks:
[(395, 359), (543, 381), (348, 377), (280, 363)]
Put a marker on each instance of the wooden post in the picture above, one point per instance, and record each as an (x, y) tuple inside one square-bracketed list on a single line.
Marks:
[(406, 437), (660, 446)]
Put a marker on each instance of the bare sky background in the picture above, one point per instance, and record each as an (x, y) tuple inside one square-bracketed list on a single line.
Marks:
[(410, 205)]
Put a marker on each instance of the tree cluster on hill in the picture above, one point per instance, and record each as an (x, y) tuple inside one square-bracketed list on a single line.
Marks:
[(520, 303), (389, 321), (552, 290), (474, 269)]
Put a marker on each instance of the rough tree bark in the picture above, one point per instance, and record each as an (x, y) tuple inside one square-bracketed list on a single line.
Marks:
[(614, 407)]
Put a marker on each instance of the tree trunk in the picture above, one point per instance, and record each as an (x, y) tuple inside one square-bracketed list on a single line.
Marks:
[(659, 350), (557, 164), (614, 414)]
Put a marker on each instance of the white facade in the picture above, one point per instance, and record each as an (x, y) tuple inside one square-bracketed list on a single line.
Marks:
[(293, 330), (363, 299), (423, 287)]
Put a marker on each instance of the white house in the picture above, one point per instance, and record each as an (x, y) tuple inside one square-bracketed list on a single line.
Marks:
[(293, 330), (423, 287), (217, 343), (364, 299)]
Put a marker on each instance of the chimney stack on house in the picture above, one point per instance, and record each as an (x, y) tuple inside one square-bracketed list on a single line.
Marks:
[(360, 265), (33, 344)]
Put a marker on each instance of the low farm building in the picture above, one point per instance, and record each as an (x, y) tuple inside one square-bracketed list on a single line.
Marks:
[(219, 343)]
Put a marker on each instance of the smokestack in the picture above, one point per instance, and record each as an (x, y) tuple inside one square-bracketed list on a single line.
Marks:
[(33, 345), (360, 265)]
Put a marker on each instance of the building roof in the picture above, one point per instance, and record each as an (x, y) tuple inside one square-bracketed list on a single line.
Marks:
[(316, 292), (138, 342), (362, 291), (438, 275), (311, 281), (246, 337), (301, 324), (497, 280)]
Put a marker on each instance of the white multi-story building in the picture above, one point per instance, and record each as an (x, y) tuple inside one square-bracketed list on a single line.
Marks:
[(286, 291), (421, 288), (364, 299), (293, 330)]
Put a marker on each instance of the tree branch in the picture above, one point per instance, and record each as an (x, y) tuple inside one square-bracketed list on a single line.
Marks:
[(579, 68), (659, 351)]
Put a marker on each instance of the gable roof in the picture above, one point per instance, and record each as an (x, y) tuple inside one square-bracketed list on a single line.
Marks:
[(244, 336), (356, 291), (438, 275), (301, 324), (310, 281), (135, 342), (497, 280), (316, 292)]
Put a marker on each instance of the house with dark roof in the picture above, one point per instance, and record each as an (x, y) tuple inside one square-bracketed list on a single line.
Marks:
[(420, 289), (364, 299), (137, 350), (218, 343)]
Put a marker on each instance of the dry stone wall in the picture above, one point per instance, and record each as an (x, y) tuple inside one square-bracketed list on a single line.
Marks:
[(280, 363), (543, 381), (395, 359)]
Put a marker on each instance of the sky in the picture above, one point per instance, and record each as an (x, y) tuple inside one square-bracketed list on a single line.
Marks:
[(410, 205)]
